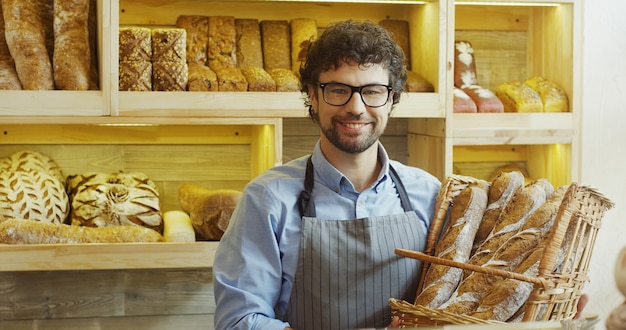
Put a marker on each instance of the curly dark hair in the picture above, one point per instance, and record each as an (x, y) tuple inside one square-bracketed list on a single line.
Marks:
[(362, 42)]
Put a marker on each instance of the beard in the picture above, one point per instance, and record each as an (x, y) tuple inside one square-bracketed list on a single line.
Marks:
[(351, 143)]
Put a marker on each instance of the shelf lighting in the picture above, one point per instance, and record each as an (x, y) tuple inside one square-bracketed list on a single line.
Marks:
[(412, 2), (127, 125), (508, 3)]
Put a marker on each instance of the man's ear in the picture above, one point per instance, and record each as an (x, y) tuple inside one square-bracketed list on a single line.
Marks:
[(312, 92)]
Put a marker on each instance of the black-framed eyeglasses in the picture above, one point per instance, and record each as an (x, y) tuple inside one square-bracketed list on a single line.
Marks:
[(338, 94)]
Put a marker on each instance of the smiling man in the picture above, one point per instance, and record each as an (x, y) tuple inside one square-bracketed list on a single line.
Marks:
[(311, 243)]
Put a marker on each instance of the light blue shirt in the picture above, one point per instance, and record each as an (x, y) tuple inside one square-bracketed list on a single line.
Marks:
[(256, 260)]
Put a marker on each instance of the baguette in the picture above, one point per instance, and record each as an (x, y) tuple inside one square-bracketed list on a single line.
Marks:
[(455, 244), (19, 231), (72, 54)]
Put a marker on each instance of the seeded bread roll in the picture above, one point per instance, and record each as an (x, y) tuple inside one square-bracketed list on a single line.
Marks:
[(417, 83), (201, 78), (135, 44), (197, 31), (169, 45), (26, 40), (552, 95), (259, 80), (169, 76), (463, 103), (456, 244), (231, 80), (222, 48), (303, 32), (18, 231), (276, 41), (486, 100), (519, 97), (135, 76), (249, 48), (285, 79), (72, 53)]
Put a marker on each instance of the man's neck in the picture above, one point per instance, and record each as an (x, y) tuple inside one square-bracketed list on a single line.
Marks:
[(361, 169)]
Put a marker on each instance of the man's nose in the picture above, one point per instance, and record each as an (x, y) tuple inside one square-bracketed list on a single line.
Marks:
[(355, 104)]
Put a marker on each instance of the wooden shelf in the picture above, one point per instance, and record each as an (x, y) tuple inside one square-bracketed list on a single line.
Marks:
[(46, 257)]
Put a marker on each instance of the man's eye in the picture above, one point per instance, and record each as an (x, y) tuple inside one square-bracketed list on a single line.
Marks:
[(338, 91)]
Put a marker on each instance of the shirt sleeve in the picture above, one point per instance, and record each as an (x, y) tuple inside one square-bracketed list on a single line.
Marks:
[(247, 267)]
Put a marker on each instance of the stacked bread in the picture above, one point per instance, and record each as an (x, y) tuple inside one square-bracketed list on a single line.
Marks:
[(50, 43), (135, 59), (506, 229)]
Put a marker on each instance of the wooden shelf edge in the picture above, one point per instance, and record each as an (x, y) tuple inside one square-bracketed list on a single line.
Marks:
[(60, 257)]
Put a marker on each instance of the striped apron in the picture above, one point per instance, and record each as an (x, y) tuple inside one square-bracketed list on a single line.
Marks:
[(347, 269)]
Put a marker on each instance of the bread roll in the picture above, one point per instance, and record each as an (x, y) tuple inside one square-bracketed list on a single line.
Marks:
[(285, 79), (26, 40), (486, 100), (552, 95), (222, 48), (135, 44), (259, 80), (456, 244), (169, 45), (464, 65), (399, 31), (231, 80), (113, 199), (169, 76), (303, 32), (249, 48), (197, 40), (463, 103), (18, 231), (201, 79), (135, 76), (72, 54), (416, 83), (209, 210), (519, 97), (276, 41)]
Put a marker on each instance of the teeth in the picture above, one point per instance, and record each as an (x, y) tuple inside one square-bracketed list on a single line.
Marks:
[(354, 125)]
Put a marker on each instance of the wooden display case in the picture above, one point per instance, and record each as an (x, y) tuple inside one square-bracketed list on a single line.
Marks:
[(180, 136)]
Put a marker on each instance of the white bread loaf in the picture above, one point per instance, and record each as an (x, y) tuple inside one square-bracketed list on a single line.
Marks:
[(456, 244)]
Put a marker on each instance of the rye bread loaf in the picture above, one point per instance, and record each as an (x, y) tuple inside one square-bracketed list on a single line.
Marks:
[(201, 78), (258, 80), (455, 244), (170, 76), (197, 40), (222, 47), (135, 76), (72, 53), (285, 79), (276, 41), (231, 80), (249, 47), (135, 43), (169, 45)]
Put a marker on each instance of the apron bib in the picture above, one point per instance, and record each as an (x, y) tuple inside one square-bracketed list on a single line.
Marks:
[(347, 269)]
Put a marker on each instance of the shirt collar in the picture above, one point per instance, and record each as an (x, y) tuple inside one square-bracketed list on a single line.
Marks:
[(332, 177)]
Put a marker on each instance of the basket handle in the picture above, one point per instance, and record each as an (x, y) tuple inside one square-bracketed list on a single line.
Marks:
[(486, 270)]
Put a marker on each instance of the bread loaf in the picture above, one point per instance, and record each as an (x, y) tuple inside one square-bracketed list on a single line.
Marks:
[(463, 103), (222, 48), (169, 76), (209, 210), (177, 227), (502, 188), (486, 100), (72, 54), (519, 97), (135, 44), (201, 78), (92, 27), (249, 48), (26, 40), (276, 39), (135, 76), (19, 231), (32, 161), (455, 244), (399, 31), (169, 45), (552, 95), (464, 65), (258, 80), (285, 79), (416, 83), (303, 32), (231, 80), (114, 199), (8, 76), (197, 37)]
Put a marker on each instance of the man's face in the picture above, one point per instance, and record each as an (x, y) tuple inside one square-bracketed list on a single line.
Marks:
[(353, 127)]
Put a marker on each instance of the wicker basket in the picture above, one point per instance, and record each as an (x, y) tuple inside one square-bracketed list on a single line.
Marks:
[(555, 293)]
